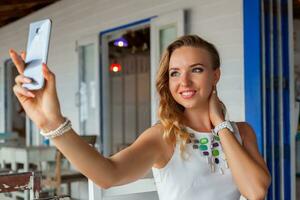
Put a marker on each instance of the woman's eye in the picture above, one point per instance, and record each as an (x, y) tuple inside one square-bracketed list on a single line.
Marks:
[(198, 69), (174, 74)]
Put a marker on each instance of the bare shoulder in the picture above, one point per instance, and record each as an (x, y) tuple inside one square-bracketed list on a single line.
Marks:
[(148, 144), (151, 138), (246, 132), (154, 133), (165, 149)]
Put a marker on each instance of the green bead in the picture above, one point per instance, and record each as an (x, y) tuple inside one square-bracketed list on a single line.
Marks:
[(203, 141), (215, 152), (217, 138), (203, 147)]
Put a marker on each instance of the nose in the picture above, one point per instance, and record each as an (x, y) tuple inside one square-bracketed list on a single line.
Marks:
[(185, 79)]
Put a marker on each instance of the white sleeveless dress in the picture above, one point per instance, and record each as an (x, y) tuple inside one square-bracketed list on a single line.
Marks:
[(193, 179)]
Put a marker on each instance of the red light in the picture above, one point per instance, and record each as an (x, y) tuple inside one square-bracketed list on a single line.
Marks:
[(115, 67)]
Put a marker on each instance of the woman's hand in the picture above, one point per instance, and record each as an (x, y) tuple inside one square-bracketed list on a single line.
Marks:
[(42, 106), (215, 108)]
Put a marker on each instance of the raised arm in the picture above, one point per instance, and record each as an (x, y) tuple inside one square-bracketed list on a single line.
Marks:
[(124, 167), (248, 168), (43, 109)]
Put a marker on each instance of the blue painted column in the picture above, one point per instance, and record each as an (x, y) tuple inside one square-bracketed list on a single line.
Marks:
[(252, 68)]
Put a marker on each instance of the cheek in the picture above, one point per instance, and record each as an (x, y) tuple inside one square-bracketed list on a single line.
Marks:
[(172, 87), (205, 86)]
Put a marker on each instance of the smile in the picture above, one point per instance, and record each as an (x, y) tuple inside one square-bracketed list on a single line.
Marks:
[(188, 94)]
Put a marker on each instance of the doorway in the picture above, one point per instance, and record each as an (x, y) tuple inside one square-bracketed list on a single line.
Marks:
[(126, 72)]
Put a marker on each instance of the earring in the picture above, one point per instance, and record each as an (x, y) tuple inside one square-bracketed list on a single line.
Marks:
[(214, 90)]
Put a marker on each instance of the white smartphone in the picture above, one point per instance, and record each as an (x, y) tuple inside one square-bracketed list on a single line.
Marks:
[(37, 53)]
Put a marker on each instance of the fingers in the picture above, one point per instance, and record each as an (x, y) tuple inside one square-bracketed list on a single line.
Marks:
[(21, 92), (49, 76), (17, 60), (23, 55), (21, 79)]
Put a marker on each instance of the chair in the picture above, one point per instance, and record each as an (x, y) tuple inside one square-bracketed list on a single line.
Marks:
[(65, 175), (25, 181), (21, 182)]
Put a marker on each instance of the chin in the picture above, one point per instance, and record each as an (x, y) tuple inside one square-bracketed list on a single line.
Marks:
[(191, 104), (187, 105)]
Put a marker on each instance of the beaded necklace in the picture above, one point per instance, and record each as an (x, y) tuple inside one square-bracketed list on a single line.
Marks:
[(209, 146)]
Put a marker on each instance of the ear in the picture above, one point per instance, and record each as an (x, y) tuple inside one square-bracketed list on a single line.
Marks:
[(217, 74)]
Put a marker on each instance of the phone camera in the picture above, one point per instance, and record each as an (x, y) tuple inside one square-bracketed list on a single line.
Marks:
[(37, 31)]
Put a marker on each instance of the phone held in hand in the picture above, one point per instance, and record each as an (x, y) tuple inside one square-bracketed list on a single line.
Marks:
[(36, 53)]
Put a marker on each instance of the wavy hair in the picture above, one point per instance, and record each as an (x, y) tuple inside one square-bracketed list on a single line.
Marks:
[(170, 112)]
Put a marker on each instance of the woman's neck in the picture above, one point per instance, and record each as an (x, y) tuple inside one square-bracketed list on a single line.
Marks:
[(198, 119)]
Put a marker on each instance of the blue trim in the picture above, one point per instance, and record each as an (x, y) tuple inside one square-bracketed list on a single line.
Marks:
[(268, 106), (286, 99), (139, 22), (101, 34), (252, 68), (276, 146)]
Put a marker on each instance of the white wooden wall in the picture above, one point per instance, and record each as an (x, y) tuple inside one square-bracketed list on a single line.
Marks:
[(219, 21)]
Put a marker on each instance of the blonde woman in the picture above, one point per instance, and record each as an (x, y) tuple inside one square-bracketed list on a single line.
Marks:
[(193, 151)]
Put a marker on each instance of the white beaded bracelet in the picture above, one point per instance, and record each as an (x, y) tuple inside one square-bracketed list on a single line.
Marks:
[(225, 124), (63, 128)]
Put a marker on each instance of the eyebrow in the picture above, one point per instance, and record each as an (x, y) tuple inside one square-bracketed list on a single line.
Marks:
[(193, 65)]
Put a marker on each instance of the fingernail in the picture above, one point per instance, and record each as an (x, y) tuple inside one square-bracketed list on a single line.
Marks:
[(27, 80)]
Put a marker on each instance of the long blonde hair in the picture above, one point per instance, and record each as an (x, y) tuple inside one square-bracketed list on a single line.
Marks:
[(170, 112)]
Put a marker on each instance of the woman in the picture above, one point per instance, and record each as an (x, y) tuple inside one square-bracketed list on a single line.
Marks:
[(189, 161)]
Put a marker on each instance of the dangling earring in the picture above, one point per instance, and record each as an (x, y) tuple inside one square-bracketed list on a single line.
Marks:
[(214, 90)]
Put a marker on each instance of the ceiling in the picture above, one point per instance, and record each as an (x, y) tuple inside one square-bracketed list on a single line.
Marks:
[(12, 10), (296, 9)]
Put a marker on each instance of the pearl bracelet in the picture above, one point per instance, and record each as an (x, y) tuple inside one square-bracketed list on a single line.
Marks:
[(63, 128)]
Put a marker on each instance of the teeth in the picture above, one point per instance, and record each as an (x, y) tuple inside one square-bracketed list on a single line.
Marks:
[(188, 93)]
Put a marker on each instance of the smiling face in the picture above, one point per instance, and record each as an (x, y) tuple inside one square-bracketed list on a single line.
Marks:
[(191, 76)]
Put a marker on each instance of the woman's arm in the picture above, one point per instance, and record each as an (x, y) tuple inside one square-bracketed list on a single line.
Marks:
[(248, 167), (126, 166), (42, 107)]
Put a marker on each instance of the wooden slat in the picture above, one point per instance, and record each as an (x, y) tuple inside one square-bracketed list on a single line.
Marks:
[(19, 182), (24, 2), (11, 10), (9, 14), (296, 9)]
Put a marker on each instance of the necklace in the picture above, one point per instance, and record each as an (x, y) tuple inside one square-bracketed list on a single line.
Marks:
[(210, 147)]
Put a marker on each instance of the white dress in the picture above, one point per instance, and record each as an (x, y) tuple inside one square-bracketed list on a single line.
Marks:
[(193, 179)]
